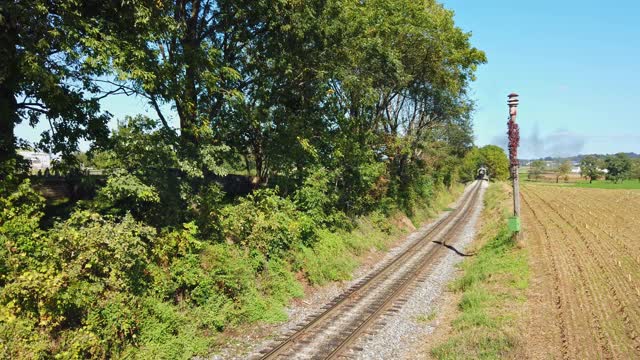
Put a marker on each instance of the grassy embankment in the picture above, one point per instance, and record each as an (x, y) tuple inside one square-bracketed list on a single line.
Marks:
[(333, 258), (188, 289), (492, 289), (337, 255)]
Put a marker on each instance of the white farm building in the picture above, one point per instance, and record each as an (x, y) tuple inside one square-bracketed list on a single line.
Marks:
[(39, 160)]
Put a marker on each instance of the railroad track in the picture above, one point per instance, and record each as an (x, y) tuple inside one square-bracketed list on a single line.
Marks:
[(332, 332)]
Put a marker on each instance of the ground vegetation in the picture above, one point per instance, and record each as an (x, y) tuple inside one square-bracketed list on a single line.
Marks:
[(485, 323)]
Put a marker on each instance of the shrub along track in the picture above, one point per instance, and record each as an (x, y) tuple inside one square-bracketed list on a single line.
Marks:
[(332, 332), (591, 269)]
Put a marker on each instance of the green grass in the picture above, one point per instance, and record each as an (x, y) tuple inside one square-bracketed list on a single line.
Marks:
[(492, 284), (596, 184), (337, 254), (605, 184), (430, 209), (426, 318)]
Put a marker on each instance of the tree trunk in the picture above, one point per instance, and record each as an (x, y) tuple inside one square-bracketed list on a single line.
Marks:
[(9, 78), (259, 167), (258, 157), (191, 44), (247, 164), (7, 123)]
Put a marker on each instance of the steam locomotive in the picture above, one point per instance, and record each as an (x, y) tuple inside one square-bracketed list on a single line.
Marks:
[(483, 174)]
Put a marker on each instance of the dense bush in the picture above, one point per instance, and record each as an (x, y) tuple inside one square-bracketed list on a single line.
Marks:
[(94, 285), (156, 264), (267, 223), (108, 285)]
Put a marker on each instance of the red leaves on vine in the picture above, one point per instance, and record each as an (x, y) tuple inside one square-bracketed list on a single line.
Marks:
[(514, 141)]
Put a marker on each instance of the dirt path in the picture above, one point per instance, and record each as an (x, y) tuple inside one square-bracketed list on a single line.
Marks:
[(584, 299)]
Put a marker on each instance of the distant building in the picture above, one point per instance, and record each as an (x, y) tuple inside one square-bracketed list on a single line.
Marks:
[(578, 170), (39, 160)]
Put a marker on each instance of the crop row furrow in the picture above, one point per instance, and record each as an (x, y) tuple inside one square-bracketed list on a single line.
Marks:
[(558, 293), (607, 254), (585, 292), (615, 286), (618, 220), (587, 218)]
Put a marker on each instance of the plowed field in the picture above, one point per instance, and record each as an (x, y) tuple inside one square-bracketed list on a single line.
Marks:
[(584, 301)]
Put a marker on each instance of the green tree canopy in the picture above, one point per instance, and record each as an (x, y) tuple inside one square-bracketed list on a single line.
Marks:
[(591, 168), (45, 73), (496, 161), (492, 157), (618, 166), (345, 109), (470, 164), (635, 169)]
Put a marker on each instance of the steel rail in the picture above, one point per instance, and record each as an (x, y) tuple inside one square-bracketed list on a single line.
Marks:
[(408, 281), (436, 228)]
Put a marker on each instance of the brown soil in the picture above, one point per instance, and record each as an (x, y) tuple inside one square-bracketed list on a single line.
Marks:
[(402, 222), (551, 177), (584, 298)]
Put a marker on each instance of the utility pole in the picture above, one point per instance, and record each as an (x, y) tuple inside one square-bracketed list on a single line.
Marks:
[(514, 142)]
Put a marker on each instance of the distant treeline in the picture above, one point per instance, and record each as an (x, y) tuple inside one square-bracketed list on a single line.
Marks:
[(578, 158)]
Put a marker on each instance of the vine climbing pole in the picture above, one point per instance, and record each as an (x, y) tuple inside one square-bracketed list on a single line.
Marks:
[(514, 142)]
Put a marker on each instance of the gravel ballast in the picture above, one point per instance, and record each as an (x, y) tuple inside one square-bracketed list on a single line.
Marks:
[(407, 329)]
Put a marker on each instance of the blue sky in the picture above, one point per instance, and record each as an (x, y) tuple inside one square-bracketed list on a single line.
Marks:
[(575, 65)]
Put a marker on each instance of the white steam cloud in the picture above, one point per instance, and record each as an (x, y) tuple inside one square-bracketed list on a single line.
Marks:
[(559, 143)]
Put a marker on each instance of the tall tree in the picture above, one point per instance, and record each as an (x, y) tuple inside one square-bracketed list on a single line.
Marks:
[(591, 168), (618, 167), (193, 56), (635, 169), (285, 104), (563, 170), (401, 81), (44, 75), (496, 161)]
